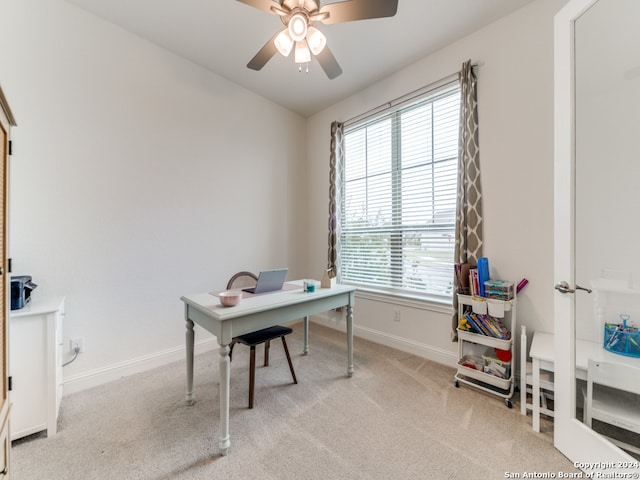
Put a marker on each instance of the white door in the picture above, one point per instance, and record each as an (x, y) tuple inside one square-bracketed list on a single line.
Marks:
[(597, 66)]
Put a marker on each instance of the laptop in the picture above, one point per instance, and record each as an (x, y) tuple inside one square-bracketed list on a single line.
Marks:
[(268, 281)]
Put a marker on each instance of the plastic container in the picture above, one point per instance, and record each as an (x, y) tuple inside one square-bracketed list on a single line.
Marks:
[(495, 308), (622, 342), (500, 289), (479, 305), (504, 355)]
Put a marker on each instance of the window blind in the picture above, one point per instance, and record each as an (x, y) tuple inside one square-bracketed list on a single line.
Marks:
[(399, 197)]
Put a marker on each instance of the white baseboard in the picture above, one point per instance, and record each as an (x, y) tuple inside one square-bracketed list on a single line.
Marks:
[(99, 376), (76, 383), (419, 349)]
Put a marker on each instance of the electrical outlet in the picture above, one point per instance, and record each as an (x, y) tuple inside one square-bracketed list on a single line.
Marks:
[(77, 342), (396, 315)]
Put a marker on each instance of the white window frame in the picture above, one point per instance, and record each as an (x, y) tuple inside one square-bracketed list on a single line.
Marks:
[(395, 286)]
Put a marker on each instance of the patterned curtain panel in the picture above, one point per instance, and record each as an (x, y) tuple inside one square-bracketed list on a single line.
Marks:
[(468, 247), (336, 161)]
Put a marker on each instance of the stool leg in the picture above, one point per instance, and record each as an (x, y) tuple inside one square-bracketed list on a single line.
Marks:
[(267, 345), (286, 350), (252, 375)]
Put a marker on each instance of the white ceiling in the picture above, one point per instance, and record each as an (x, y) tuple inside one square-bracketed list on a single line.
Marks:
[(223, 35)]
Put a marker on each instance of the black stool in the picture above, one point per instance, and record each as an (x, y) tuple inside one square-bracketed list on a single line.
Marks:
[(256, 338)]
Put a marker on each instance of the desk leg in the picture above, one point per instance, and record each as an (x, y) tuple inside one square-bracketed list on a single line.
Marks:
[(189, 345), (535, 395), (350, 340), (225, 372), (305, 322)]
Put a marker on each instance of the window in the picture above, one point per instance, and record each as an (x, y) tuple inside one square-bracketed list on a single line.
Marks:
[(399, 197)]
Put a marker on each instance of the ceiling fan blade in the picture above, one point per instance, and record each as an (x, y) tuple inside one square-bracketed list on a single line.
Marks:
[(359, 10), (329, 63), (264, 55), (264, 5)]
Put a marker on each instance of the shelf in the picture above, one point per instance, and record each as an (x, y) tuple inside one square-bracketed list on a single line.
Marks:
[(476, 377), (485, 340), (504, 393), (502, 383)]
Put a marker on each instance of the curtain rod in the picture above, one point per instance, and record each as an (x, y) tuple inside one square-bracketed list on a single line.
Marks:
[(404, 98)]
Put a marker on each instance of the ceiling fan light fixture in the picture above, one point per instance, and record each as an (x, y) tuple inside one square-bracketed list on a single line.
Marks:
[(284, 43), (302, 53), (297, 27), (316, 40), (299, 18)]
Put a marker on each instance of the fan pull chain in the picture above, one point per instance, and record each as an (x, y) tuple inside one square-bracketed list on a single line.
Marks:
[(306, 67)]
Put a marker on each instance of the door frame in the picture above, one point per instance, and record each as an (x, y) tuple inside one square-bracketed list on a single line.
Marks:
[(6, 122), (572, 437)]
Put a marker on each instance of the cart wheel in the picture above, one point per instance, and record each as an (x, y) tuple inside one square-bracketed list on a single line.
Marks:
[(508, 403), (456, 383)]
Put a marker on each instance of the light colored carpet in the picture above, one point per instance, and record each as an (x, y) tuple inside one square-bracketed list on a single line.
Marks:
[(398, 417)]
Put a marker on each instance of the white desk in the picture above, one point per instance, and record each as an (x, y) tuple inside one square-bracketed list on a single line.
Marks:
[(255, 313), (542, 358)]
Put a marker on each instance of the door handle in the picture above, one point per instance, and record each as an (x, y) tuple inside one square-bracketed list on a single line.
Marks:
[(563, 287)]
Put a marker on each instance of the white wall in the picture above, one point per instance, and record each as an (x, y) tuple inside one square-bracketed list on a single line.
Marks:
[(127, 157), (515, 106), (138, 177)]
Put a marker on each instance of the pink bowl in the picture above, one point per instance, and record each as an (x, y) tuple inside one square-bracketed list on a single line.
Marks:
[(230, 298)]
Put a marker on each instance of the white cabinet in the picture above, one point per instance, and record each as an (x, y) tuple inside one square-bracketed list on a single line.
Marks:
[(35, 365), (477, 362)]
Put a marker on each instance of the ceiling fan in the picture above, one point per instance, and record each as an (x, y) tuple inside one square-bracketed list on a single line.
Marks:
[(300, 34)]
